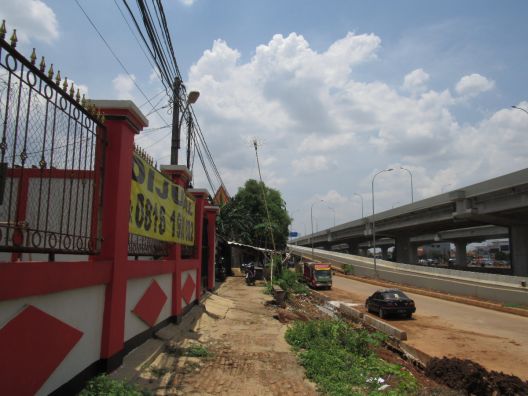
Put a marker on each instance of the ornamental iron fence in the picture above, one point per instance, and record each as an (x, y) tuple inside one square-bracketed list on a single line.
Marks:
[(51, 159)]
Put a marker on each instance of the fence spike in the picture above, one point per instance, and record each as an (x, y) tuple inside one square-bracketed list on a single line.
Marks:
[(72, 90), (3, 30), (33, 57), (14, 39), (65, 84), (83, 101), (42, 66), (103, 118), (58, 78), (78, 95)]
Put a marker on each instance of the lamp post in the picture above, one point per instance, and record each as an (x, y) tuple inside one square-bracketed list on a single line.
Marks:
[(410, 174), (311, 221), (333, 210), (520, 108), (361, 196), (373, 221)]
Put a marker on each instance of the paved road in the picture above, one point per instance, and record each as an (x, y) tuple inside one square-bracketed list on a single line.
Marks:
[(497, 340)]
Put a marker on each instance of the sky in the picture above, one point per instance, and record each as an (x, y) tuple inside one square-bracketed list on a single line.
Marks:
[(334, 91)]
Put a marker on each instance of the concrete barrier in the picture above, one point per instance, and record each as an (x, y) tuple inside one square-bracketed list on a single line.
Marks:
[(385, 327), (350, 312)]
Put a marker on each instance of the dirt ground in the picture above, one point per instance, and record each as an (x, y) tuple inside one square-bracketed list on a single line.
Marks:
[(247, 352), (431, 335)]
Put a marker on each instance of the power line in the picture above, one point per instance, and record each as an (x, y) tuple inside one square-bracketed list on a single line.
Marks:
[(116, 57)]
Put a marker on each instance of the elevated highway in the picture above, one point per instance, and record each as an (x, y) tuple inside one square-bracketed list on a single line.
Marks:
[(500, 202), (493, 287)]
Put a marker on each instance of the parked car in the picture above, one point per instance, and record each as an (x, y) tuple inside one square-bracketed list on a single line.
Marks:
[(391, 301)]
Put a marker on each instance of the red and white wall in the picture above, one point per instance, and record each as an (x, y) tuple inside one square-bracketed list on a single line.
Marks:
[(62, 322)]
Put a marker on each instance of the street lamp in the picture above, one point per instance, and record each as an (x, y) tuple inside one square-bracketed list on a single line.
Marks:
[(373, 221), (311, 221), (360, 196), (191, 99), (333, 210), (410, 174), (520, 108)]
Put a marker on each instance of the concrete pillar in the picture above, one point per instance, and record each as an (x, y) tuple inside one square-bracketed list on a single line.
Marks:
[(460, 251), (519, 249), (413, 253), (353, 248), (384, 252), (403, 250)]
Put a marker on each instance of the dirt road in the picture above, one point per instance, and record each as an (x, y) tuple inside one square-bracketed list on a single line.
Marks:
[(246, 351), (496, 340)]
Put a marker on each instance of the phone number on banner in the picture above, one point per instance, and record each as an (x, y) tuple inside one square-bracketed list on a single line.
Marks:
[(155, 221)]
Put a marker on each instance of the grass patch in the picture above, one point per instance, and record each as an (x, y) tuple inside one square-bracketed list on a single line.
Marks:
[(341, 360), (289, 281), (348, 269), (102, 385), (193, 351), (159, 371)]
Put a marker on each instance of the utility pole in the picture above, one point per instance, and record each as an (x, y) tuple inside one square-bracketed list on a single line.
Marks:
[(175, 142), (189, 132), (255, 145)]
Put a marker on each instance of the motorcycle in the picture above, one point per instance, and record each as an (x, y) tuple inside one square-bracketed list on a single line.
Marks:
[(250, 276)]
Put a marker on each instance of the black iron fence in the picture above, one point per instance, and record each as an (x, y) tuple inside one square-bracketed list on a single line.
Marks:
[(51, 159)]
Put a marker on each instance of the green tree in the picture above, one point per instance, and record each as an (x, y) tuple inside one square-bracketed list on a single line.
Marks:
[(244, 218)]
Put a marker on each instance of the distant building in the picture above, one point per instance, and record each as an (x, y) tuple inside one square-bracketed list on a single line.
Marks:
[(221, 197)]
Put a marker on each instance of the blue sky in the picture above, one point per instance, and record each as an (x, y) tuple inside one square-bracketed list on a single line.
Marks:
[(334, 90)]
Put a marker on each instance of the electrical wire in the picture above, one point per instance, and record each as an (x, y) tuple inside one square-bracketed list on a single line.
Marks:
[(116, 57)]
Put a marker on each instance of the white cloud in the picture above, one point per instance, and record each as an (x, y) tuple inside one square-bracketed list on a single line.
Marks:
[(123, 86), (309, 164), (415, 81), (327, 130), (474, 84), (33, 19), (188, 2)]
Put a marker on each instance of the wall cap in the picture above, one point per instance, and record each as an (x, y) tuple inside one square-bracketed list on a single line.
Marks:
[(198, 191), (121, 105), (173, 169)]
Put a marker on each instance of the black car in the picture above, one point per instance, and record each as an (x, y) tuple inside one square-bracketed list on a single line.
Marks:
[(392, 301)]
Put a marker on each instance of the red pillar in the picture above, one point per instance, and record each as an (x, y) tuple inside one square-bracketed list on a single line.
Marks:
[(180, 175), (123, 121), (201, 196), (211, 212)]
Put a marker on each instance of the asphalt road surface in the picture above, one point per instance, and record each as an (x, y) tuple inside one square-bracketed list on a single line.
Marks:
[(496, 340)]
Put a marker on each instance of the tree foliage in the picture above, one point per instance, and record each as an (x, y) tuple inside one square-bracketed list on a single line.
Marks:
[(244, 219)]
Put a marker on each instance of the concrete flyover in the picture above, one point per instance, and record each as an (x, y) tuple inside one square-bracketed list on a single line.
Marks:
[(501, 202), (504, 289)]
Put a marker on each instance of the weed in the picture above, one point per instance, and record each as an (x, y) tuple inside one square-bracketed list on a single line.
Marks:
[(102, 385), (341, 360), (197, 351), (159, 371), (288, 281), (192, 351), (348, 269)]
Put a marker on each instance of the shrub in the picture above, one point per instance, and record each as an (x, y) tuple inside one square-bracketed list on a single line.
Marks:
[(288, 280), (342, 361), (348, 269), (102, 385)]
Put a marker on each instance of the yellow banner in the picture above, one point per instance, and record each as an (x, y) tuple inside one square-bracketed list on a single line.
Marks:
[(159, 208)]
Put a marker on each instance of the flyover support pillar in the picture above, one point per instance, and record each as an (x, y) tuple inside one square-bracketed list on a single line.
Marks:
[(460, 252), (384, 252), (519, 249), (405, 251)]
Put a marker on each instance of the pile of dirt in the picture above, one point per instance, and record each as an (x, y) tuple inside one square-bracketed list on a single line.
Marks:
[(474, 379)]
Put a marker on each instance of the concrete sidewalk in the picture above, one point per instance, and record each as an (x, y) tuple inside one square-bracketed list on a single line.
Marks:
[(245, 348)]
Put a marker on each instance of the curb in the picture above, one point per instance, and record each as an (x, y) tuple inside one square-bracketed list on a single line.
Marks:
[(367, 320)]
